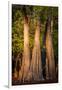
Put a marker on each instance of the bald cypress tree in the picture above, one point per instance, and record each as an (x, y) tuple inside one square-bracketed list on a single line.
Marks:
[(26, 54), (36, 63), (50, 62), (25, 69)]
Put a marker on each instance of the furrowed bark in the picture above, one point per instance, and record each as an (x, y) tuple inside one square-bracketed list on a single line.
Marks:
[(49, 52), (24, 73), (36, 56)]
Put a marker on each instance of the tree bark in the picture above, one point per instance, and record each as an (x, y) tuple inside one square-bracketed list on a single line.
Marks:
[(26, 55), (49, 52), (47, 68), (36, 64)]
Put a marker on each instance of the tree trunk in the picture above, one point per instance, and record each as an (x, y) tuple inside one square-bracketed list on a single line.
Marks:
[(47, 68), (26, 55), (36, 64), (50, 62)]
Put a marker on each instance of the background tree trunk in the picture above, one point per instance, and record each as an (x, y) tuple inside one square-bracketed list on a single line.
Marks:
[(47, 68), (49, 51)]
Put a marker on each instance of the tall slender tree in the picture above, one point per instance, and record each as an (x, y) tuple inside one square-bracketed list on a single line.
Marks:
[(50, 62), (36, 55), (25, 69)]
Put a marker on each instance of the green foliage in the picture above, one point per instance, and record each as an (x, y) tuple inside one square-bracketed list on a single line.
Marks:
[(17, 35)]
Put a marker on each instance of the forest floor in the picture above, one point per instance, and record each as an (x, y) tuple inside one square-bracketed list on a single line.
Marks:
[(17, 82)]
